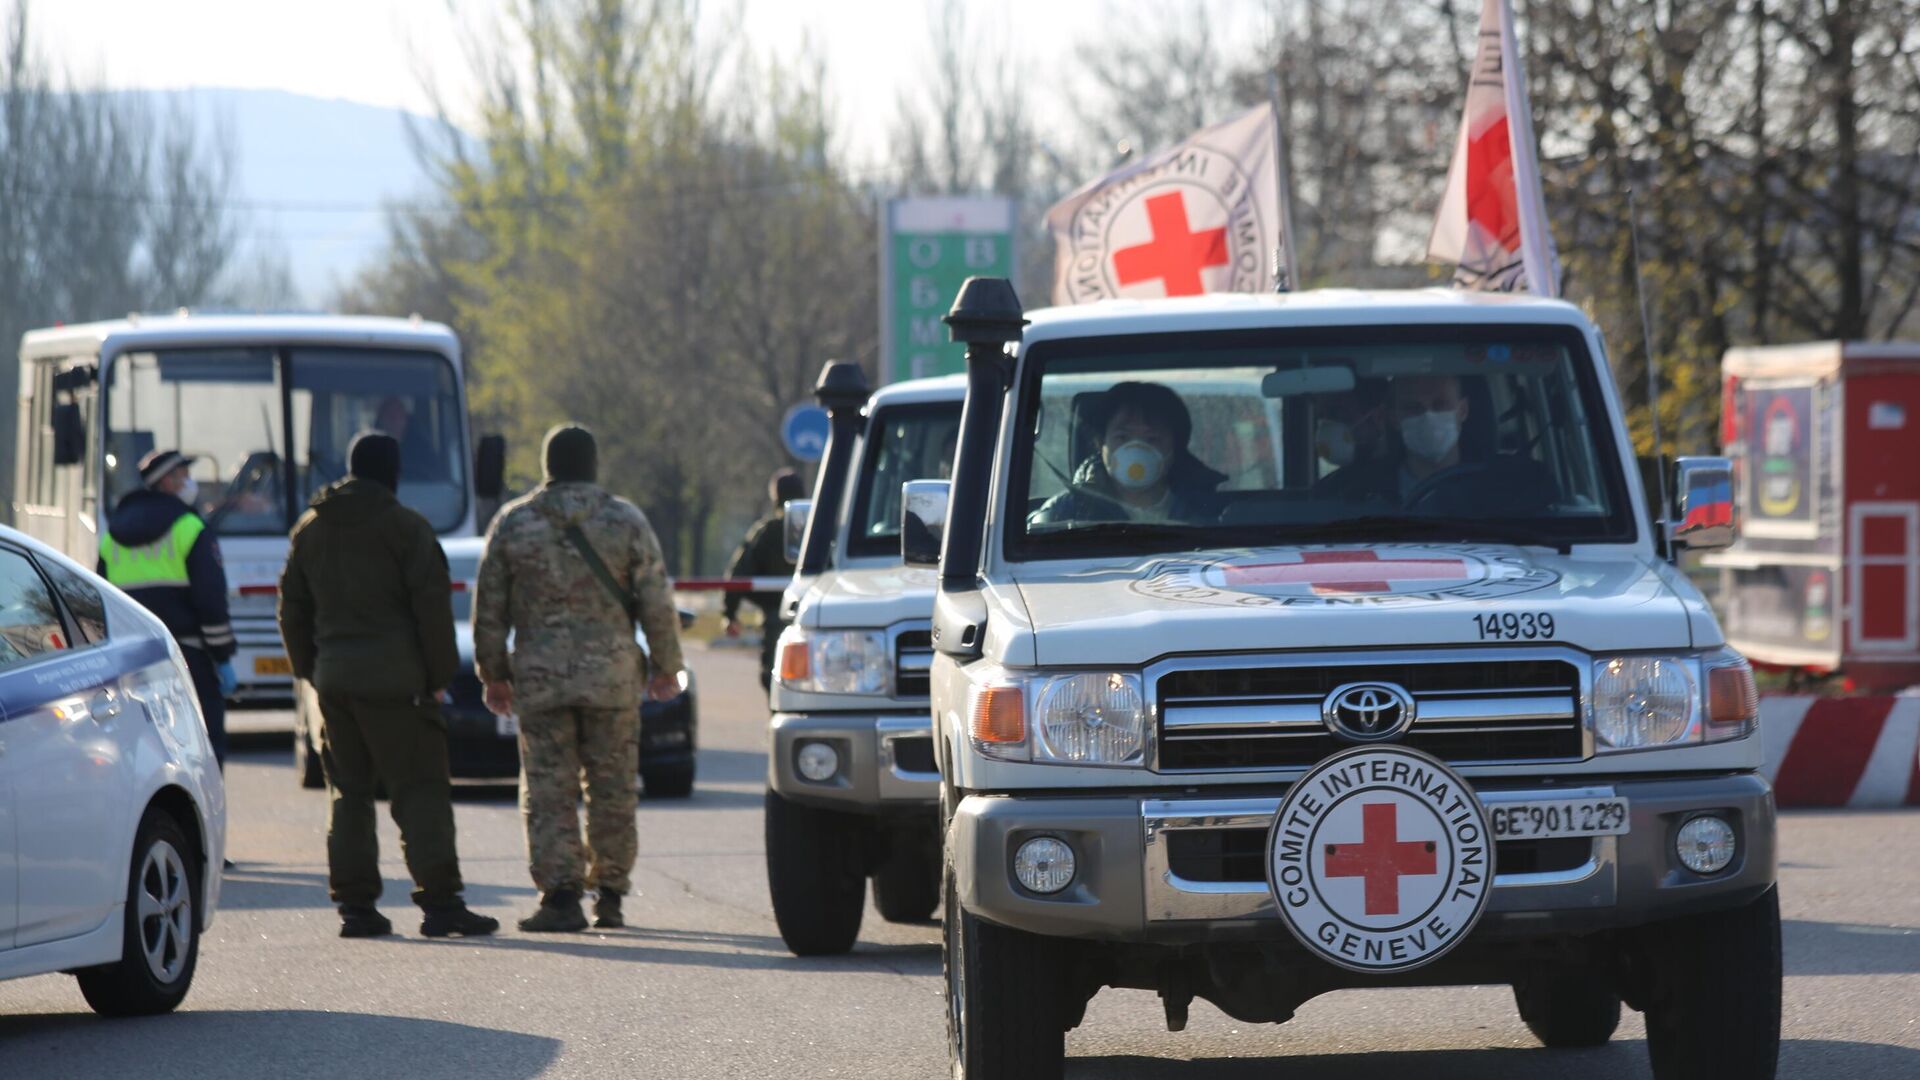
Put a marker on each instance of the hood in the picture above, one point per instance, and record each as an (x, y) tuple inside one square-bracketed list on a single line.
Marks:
[(1131, 611), (868, 598), (352, 502), (568, 503), (144, 516)]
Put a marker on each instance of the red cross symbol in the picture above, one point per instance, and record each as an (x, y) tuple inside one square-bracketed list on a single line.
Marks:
[(1381, 857), (1176, 254), (1491, 199), (1346, 572)]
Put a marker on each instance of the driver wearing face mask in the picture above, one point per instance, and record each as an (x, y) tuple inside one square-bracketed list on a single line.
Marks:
[(1142, 470)]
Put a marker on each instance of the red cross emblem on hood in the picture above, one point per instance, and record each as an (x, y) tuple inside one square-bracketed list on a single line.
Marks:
[(1346, 572)]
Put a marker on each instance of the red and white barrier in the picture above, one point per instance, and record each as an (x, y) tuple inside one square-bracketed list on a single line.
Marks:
[(733, 584), (1859, 752)]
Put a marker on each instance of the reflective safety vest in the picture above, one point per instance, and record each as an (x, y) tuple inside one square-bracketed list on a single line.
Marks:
[(162, 561)]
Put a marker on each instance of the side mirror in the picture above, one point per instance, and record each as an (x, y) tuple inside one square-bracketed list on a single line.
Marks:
[(1702, 518), (795, 514), (69, 434), (923, 521), (490, 467)]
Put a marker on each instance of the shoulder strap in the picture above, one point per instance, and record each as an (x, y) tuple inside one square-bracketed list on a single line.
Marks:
[(619, 593)]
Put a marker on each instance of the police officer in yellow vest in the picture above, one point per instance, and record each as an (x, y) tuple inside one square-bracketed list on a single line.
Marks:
[(158, 549)]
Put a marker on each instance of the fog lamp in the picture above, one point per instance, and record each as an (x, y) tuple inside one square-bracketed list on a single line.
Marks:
[(1043, 864), (817, 761), (1705, 844)]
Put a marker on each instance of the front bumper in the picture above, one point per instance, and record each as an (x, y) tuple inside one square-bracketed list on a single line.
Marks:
[(886, 761), (1126, 887)]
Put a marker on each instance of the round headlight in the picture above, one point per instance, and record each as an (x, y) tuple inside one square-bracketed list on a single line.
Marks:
[(1091, 719), (851, 662), (1043, 865), (1642, 701), (817, 761), (1705, 845)]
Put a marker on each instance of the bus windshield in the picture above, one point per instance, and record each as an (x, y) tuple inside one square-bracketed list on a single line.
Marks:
[(232, 409)]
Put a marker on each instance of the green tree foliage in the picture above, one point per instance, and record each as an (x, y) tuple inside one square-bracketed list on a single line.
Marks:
[(649, 236)]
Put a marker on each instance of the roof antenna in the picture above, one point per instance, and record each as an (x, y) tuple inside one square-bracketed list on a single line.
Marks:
[(1653, 369)]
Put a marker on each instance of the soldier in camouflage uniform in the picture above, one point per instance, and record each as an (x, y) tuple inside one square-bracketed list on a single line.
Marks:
[(575, 675), (764, 554)]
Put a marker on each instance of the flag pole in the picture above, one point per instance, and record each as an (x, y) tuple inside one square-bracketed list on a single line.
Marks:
[(1286, 264)]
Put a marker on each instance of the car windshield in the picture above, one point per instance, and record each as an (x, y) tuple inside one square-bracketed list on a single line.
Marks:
[(1435, 434), (230, 410), (904, 442)]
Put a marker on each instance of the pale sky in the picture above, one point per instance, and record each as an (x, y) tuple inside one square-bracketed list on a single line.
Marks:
[(373, 51)]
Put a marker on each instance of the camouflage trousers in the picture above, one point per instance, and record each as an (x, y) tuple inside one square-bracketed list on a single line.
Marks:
[(565, 754)]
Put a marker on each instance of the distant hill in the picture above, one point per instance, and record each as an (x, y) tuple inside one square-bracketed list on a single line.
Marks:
[(294, 150)]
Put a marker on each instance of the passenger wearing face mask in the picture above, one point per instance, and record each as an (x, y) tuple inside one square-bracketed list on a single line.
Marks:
[(1426, 414), (1143, 470), (1349, 428), (157, 547)]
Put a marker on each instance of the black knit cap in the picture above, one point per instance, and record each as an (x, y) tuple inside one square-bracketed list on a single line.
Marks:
[(786, 487), (570, 455), (375, 456)]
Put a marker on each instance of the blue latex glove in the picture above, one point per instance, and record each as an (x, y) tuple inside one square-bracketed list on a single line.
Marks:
[(228, 680)]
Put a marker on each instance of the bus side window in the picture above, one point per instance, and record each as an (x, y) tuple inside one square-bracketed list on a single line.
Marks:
[(40, 479)]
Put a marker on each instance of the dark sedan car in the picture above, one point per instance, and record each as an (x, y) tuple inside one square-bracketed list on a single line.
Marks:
[(481, 745)]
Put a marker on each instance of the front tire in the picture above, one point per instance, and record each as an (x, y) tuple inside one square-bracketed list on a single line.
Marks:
[(668, 783), (816, 876), (1565, 1011), (1714, 1010), (1004, 994), (906, 888), (160, 943)]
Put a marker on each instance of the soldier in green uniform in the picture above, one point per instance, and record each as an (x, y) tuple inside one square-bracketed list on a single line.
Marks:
[(764, 554), (567, 571), (367, 615)]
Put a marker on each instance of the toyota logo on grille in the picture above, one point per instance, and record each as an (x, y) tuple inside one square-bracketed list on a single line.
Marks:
[(1367, 711)]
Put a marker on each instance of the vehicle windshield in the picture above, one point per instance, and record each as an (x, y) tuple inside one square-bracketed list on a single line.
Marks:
[(904, 442), (1434, 434), (230, 409)]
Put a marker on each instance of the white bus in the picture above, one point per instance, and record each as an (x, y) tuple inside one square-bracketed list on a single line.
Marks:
[(267, 406)]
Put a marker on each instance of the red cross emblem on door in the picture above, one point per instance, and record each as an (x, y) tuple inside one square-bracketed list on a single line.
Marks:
[(1175, 254), (1346, 572), (1381, 858)]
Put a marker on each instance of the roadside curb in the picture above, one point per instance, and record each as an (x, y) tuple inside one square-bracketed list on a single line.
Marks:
[(1856, 752)]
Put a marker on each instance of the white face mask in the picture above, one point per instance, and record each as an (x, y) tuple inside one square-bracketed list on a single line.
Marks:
[(1136, 465), (189, 490), (1333, 441), (1431, 436)]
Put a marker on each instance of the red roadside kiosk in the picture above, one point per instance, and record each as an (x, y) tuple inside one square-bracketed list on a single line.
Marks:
[(1825, 577)]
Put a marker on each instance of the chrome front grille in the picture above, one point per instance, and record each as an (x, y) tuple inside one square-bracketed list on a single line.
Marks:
[(1469, 709), (912, 661)]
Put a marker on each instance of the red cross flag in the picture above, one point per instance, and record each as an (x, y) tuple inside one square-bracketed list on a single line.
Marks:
[(1203, 216), (1493, 219)]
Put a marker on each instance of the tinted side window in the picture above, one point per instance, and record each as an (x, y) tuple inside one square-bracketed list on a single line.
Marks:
[(29, 618), (83, 602)]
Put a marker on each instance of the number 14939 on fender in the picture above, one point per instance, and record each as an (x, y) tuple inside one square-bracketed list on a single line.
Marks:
[(1514, 626)]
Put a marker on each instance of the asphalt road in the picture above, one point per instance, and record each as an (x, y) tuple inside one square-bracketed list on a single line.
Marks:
[(701, 987)]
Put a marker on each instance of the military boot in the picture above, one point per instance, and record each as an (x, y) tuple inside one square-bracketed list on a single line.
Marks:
[(456, 919), (559, 914), (362, 920), (606, 911)]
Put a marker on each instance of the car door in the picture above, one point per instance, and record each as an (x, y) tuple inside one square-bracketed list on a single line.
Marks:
[(8, 875), (65, 761)]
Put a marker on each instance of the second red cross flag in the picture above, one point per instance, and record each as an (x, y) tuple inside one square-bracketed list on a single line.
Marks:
[(1203, 216), (1493, 218)]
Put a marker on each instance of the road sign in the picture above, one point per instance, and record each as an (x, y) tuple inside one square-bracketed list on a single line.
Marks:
[(928, 248), (805, 432)]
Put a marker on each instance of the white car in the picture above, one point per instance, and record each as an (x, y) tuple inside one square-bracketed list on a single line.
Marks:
[(113, 818)]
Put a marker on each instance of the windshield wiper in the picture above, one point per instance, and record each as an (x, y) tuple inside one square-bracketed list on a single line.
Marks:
[(1429, 527)]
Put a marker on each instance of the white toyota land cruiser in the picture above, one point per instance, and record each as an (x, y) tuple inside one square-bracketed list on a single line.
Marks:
[(1287, 644), (850, 775)]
